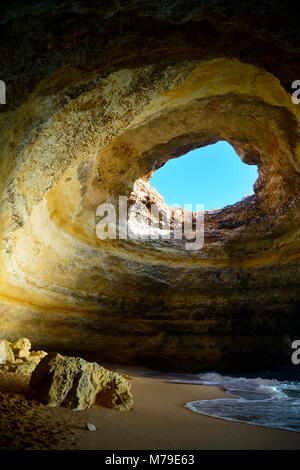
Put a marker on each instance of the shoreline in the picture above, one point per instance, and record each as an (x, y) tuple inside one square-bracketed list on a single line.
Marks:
[(158, 421)]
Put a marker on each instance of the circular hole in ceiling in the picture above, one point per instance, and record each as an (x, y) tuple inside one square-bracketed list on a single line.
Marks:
[(214, 176)]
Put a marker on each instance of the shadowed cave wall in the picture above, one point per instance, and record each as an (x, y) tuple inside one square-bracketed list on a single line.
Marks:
[(100, 95)]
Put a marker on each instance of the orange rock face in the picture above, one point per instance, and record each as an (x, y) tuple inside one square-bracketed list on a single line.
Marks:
[(75, 383), (92, 111)]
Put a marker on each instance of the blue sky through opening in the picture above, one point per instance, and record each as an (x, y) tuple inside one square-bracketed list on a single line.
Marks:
[(214, 176)]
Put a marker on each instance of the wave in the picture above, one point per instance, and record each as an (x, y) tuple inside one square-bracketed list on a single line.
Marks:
[(259, 401)]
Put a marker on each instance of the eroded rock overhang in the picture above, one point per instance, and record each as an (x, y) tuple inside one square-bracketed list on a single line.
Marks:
[(80, 139)]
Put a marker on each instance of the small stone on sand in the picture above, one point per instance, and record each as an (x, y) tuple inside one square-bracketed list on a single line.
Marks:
[(91, 427)]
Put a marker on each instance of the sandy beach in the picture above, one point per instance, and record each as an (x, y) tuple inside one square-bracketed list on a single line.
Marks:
[(158, 420)]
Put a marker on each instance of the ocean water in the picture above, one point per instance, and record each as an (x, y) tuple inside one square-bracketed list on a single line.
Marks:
[(269, 400)]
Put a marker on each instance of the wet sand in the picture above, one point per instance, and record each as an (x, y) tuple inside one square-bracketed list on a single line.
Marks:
[(158, 420)]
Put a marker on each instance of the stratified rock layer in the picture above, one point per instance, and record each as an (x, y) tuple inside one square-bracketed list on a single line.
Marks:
[(75, 383), (103, 96)]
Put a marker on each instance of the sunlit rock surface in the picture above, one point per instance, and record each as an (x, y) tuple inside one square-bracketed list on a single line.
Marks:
[(99, 97), (75, 383), (16, 357)]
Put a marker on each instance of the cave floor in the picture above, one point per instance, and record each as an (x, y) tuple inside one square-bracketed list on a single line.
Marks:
[(158, 420)]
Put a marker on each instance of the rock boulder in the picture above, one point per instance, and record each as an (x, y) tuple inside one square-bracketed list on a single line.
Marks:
[(75, 383), (16, 357), (6, 353), (21, 344)]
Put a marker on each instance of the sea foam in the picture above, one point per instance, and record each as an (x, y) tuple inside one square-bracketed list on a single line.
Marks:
[(260, 401)]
